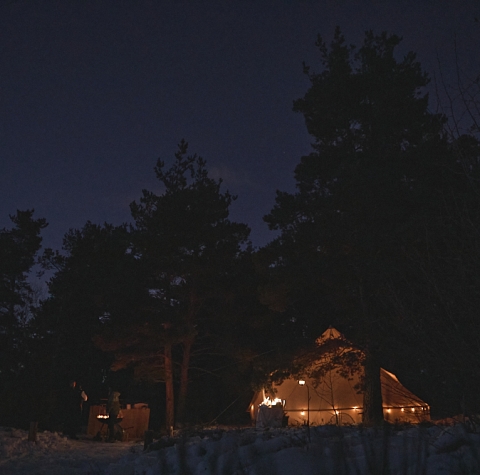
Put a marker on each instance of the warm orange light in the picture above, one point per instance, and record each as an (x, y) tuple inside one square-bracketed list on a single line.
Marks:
[(302, 413), (389, 410), (269, 402), (355, 407), (301, 382), (413, 409), (252, 407), (402, 409)]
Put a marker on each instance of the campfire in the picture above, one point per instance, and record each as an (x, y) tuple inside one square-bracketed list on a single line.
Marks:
[(272, 402), (105, 417)]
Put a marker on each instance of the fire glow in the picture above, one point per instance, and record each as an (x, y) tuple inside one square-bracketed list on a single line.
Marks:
[(270, 403)]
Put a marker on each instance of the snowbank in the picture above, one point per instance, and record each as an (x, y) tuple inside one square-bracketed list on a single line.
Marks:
[(330, 450), (289, 451)]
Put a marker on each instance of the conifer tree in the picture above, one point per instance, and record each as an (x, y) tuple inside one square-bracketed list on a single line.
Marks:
[(362, 193), (192, 252), (19, 248)]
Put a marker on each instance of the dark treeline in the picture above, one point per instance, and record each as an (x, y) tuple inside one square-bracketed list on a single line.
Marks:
[(380, 239)]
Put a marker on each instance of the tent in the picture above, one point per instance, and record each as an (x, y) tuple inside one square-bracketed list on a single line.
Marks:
[(326, 393)]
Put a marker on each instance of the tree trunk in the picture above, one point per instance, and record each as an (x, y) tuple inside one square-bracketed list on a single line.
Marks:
[(169, 416), (187, 352), (372, 395), (182, 398), (372, 387)]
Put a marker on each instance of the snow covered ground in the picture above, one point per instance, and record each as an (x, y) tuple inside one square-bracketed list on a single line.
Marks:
[(330, 450), (54, 454)]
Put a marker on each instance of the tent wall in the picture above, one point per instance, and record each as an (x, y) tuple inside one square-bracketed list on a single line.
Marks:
[(338, 400), (335, 400)]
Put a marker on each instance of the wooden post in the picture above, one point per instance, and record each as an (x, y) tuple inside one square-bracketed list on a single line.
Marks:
[(32, 433)]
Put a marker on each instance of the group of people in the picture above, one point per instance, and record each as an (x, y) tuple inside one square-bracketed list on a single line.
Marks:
[(74, 400)]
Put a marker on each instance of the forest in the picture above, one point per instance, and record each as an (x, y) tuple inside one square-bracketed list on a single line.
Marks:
[(380, 239)]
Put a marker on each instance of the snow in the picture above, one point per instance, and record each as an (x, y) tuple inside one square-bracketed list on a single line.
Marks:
[(286, 451), (55, 454)]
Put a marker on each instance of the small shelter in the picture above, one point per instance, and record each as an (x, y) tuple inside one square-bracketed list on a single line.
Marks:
[(327, 393)]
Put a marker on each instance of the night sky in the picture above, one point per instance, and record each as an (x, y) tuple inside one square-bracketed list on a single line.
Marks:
[(93, 92)]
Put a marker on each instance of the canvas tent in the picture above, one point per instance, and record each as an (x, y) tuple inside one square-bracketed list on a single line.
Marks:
[(330, 395)]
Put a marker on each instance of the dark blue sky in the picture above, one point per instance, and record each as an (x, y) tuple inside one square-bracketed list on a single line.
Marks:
[(93, 92)]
